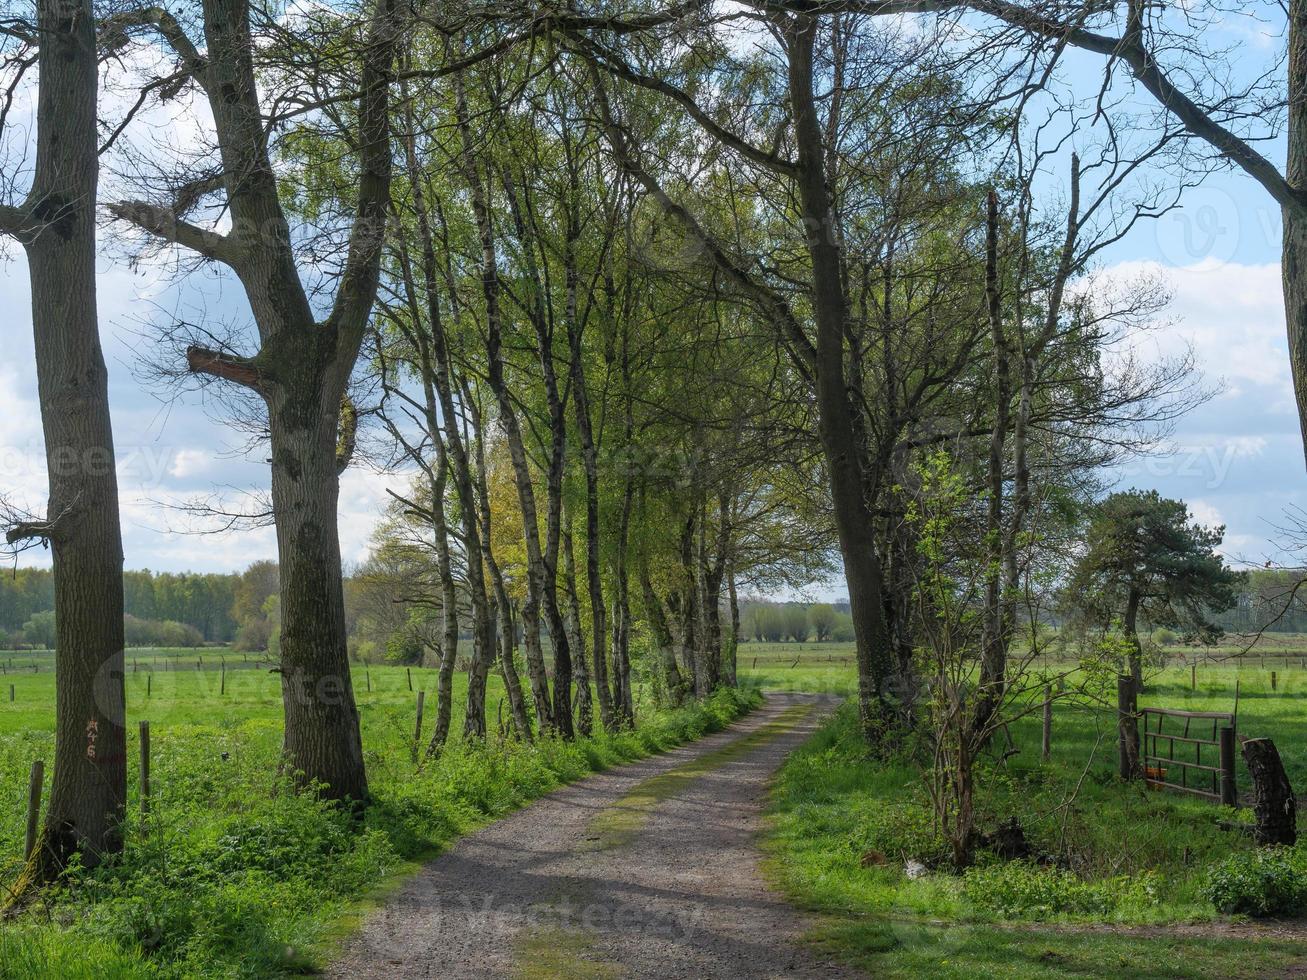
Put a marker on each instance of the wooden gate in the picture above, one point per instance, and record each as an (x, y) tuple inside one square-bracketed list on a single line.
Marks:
[(1172, 752)]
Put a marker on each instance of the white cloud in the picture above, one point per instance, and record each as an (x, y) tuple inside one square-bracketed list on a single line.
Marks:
[(1233, 316), (190, 462), (363, 497), (1205, 513)]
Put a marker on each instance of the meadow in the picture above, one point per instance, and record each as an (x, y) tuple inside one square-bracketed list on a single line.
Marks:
[(235, 875), (1122, 876)]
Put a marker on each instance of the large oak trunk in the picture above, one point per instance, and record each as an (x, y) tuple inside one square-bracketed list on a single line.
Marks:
[(322, 743), (90, 760)]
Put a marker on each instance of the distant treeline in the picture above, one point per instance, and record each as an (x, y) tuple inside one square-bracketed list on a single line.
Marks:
[(1272, 599), (779, 622), (163, 608)]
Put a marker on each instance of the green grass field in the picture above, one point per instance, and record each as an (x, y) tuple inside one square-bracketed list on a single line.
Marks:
[(240, 878), (237, 876), (1130, 893)]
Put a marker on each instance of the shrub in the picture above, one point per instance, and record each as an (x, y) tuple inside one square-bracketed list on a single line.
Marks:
[(160, 633), (253, 636), (404, 647), (1265, 882), (1016, 890), (901, 831)]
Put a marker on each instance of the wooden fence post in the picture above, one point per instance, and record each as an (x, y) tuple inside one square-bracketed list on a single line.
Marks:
[(417, 729), (222, 678), (33, 807), (1127, 727), (145, 772), (149, 682), (1193, 677), (1272, 680), (1229, 791), (1048, 722), (11, 692), (409, 672), (367, 676)]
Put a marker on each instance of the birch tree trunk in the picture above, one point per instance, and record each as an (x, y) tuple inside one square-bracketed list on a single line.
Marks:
[(584, 706), (535, 660), (625, 701), (663, 640)]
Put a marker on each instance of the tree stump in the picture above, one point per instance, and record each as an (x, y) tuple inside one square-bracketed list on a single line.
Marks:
[(1273, 802)]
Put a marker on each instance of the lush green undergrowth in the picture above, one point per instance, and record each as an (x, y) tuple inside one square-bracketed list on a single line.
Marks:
[(237, 876), (846, 826)]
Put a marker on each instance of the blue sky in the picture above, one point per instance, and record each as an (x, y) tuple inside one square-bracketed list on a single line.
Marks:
[(1238, 459)]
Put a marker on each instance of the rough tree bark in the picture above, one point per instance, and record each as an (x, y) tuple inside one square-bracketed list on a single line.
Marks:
[(994, 636), (302, 367), (56, 226), (1273, 801), (584, 704), (663, 640), (624, 706), (854, 522)]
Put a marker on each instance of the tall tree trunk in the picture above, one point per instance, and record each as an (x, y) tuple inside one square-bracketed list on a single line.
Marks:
[(448, 601), (711, 567), (56, 225), (625, 706), (322, 740), (535, 307), (594, 578), (1130, 625), (1294, 259), (507, 630), (854, 521), (302, 367), (994, 639), (436, 367), (688, 608), (507, 666), (584, 705), (535, 660), (663, 640), (729, 672)]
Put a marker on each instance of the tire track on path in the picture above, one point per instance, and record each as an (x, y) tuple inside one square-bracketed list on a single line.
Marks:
[(649, 870)]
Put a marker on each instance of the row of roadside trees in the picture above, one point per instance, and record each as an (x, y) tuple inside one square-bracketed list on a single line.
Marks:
[(644, 313)]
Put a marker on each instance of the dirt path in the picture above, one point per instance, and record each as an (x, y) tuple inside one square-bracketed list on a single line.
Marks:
[(649, 870)]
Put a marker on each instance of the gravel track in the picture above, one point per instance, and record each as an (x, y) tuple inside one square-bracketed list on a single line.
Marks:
[(543, 893)]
